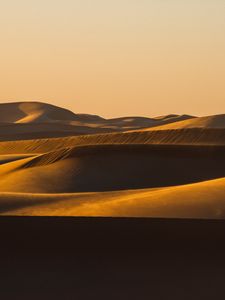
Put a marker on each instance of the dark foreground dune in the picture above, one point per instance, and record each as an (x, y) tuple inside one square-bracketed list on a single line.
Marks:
[(111, 258)]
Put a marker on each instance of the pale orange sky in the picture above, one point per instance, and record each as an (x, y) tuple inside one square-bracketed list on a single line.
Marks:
[(113, 58)]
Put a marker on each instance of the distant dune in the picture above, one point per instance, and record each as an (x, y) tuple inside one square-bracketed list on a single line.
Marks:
[(216, 121), (33, 112), (27, 120), (55, 162)]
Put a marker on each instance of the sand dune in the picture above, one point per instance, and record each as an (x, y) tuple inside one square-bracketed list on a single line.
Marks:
[(55, 162), (13, 132), (142, 122), (29, 112), (38, 112), (27, 120), (112, 167), (215, 121), (195, 136), (199, 200), (8, 157), (21, 120)]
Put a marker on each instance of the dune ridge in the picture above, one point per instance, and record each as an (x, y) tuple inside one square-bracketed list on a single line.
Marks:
[(214, 121), (176, 137)]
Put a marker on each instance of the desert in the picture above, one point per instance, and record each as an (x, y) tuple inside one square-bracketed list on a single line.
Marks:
[(123, 208), (143, 171), (112, 150)]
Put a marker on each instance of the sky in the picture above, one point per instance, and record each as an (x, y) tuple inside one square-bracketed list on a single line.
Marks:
[(115, 57)]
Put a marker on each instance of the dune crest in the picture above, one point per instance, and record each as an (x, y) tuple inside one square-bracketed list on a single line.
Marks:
[(26, 112), (215, 121)]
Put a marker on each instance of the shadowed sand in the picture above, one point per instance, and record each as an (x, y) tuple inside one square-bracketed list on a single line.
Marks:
[(112, 167), (111, 258), (12, 157)]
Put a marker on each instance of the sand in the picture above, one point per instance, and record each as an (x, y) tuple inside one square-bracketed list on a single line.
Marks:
[(27, 120), (215, 121), (111, 258), (125, 208), (204, 200), (175, 170), (112, 167)]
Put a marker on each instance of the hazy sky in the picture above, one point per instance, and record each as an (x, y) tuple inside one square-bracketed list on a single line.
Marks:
[(115, 57)]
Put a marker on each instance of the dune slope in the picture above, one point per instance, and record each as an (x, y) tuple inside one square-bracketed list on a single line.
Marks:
[(31, 112), (199, 200), (215, 121), (193, 136), (112, 167)]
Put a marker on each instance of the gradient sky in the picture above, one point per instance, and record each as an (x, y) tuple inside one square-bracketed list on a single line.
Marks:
[(115, 57)]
